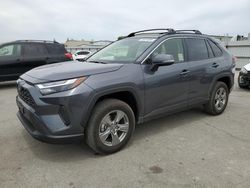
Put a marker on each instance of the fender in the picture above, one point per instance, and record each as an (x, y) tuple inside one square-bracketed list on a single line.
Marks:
[(97, 95), (217, 77)]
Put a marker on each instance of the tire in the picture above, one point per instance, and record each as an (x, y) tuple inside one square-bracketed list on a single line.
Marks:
[(241, 85), (216, 105), (102, 125)]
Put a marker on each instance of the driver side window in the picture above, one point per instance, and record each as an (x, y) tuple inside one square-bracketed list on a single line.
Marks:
[(10, 50), (172, 47)]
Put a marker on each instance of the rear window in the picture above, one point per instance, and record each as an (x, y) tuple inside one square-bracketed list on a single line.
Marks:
[(197, 49), (56, 48), (216, 50)]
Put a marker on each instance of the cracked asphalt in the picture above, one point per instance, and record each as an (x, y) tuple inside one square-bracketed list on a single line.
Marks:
[(188, 149)]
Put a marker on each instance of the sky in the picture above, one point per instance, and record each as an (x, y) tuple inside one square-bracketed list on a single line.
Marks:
[(108, 19)]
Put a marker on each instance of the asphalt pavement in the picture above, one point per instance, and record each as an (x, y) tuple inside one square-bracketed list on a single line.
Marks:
[(188, 149)]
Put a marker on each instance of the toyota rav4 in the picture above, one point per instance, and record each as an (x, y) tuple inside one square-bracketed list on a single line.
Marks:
[(146, 75)]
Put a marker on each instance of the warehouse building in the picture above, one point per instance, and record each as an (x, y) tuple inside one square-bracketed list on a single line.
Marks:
[(92, 46), (241, 50)]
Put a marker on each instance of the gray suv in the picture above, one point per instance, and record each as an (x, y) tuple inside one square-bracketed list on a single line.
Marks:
[(146, 75)]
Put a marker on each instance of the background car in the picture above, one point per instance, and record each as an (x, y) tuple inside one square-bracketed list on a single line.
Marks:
[(20, 56), (81, 55), (244, 77)]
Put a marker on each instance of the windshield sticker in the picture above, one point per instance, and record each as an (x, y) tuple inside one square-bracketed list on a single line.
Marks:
[(146, 40)]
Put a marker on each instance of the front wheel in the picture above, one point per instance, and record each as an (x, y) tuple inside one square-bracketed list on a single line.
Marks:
[(110, 127), (218, 99)]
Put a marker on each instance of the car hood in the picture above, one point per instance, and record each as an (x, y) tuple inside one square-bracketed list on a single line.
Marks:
[(67, 70), (247, 67)]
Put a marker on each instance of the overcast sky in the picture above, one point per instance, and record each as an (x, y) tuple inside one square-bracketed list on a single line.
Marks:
[(108, 19)]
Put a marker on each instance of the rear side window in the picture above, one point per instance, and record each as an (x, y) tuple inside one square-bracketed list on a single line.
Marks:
[(34, 49), (217, 51), (197, 49), (56, 48), (10, 50), (172, 47), (210, 52)]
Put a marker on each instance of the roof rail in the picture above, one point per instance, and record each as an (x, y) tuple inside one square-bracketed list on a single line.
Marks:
[(45, 41), (167, 30), (188, 31)]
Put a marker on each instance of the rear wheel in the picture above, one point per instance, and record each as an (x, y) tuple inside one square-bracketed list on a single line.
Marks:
[(218, 99), (110, 127)]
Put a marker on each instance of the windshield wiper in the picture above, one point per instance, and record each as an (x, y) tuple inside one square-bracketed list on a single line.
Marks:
[(97, 62)]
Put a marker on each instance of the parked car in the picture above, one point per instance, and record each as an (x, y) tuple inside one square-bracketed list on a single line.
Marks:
[(21, 56), (136, 79), (81, 55), (244, 77)]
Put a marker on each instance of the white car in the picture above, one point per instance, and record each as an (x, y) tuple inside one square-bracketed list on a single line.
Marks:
[(244, 76), (81, 55)]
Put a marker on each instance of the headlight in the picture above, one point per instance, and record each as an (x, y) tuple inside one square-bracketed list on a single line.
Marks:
[(58, 86), (243, 70)]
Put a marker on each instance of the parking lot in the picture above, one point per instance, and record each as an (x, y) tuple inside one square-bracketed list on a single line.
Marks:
[(188, 149)]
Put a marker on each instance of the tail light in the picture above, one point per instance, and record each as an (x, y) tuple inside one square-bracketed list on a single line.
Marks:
[(68, 56)]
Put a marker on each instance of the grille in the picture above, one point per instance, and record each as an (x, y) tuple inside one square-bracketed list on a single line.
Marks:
[(24, 94)]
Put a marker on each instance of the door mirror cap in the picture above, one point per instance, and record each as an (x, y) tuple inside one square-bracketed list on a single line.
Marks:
[(161, 60)]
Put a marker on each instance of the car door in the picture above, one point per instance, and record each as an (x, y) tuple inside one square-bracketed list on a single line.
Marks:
[(201, 66), (166, 88), (33, 55), (10, 55)]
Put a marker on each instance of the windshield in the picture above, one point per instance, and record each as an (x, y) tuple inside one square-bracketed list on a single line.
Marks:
[(123, 51)]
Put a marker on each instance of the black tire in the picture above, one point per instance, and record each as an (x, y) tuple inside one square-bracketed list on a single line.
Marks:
[(241, 85), (210, 107), (101, 110)]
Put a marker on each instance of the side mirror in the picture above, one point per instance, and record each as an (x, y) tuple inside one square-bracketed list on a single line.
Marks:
[(161, 60)]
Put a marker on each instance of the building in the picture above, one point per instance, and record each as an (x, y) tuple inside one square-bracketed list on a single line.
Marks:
[(92, 46), (239, 46), (241, 50)]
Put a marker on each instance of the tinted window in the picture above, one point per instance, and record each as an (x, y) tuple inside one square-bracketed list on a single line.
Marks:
[(30, 50), (173, 47), (197, 49), (210, 52), (55, 48), (217, 51), (10, 50), (41, 49)]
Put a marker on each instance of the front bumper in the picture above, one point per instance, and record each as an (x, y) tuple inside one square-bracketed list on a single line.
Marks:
[(244, 79), (44, 137), (55, 118)]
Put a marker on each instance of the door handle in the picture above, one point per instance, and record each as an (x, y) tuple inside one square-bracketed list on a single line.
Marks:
[(215, 65), (184, 72)]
